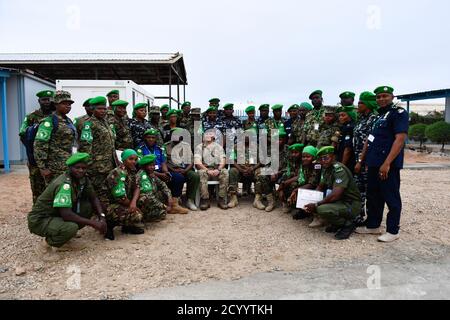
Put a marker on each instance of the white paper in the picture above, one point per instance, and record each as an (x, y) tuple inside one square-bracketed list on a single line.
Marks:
[(119, 154), (305, 197)]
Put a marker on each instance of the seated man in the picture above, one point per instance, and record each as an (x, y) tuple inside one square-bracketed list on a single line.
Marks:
[(343, 200), (64, 207), (155, 198), (175, 181), (243, 170), (124, 194), (289, 175), (307, 178), (210, 161), (179, 163)]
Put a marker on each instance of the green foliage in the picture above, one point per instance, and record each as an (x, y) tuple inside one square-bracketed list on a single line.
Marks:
[(417, 133), (430, 118), (439, 133)]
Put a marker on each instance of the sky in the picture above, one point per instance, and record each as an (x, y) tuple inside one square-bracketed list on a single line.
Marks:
[(248, 51)]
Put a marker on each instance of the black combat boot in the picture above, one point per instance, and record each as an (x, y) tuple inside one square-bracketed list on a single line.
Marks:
[(300, 215), (110, 232), (345, 232)]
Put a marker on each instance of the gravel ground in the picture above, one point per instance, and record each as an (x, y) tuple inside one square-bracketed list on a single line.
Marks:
[(213, 245)]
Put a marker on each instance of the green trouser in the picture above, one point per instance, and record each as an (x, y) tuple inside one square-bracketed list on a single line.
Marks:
[(263, 184), (192, 184), (37, 182), (235, 177), (339, 214), (56, 231)]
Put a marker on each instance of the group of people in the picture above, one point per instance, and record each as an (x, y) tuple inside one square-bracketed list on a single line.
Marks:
[(127, 169)]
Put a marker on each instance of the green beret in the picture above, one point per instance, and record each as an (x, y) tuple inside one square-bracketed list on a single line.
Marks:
[(112, 92), (87, 103), (264, 106), (98, 101), (119, 103), (277, 107), (128, 153), (78, 157), (350, 110), (214, 100), (211, 109), (172, 112), (140, 106), (250, 109), (45, 94), (294, 107), (151, 132), (319, 92), (296, 147), (369, 100), (311, 150), (228, 106), (164, 107), (186, 104), (147, 160), (307, 106), (282, 133), (384, 89), (179, 112), (325, 150), (346, 94)]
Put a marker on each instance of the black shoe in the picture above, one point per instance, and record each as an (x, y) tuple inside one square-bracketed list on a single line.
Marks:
[(110, 233), (345, 232), (300, 215), (204, 204), (360, 221), (332, 229), (133, 230)]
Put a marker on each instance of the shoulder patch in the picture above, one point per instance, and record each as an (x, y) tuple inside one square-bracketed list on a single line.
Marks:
[(86, 133), (63, 198)]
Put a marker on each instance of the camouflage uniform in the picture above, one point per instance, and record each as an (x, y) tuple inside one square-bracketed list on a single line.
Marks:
[(184, 121), (154, 193), (122, 132), (262, 123), (37, 182), (298, 134), (236, 176), (246, 124), (97, 139), (272, 124), (329, 133), (360, 133), (121, 185), (137, 129), (79, 123), (53, 146), (263, 184), (313, 126), (211, 156)]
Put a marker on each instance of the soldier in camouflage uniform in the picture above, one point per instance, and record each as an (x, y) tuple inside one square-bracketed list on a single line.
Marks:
[(45, 100), (367, 107), (139, 124), (155, 120), (79, 122), (55, 139), (277, 122), (112, 96), (119, 124), (124, 195), (195, 118), (250, 122), (264, 111), (298, 134), (98, 140), (172, 115), (163, 121), (314, 120), (329, 131), (210, 160), (185, 116)]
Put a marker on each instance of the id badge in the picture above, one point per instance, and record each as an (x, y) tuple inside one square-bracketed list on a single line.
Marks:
[(318, 167), (316, 126), (156, 167), (74, 150), (371, 138)]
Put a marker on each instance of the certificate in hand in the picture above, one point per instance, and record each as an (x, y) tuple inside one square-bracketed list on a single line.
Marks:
[(305, 197)]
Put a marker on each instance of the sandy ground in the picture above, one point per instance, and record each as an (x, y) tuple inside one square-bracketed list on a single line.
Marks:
[(213, 245)]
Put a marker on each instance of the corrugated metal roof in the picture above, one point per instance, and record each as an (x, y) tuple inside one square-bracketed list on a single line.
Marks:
[(88, 57)]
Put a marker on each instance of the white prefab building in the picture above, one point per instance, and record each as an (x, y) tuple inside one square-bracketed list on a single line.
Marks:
[(81, 90)]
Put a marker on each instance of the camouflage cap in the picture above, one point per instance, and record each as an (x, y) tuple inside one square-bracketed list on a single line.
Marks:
[(62, 96), (196, 111), (155, 110), (330, 109)]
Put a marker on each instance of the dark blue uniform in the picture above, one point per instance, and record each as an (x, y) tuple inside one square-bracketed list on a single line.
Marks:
[(392, 120)]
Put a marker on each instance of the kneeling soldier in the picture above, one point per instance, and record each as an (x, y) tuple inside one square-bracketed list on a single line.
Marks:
[(343, 201), (124, 194), (66, 206)]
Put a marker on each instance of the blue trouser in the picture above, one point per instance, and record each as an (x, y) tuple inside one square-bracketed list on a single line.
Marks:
[(176, 184), (381, 192)]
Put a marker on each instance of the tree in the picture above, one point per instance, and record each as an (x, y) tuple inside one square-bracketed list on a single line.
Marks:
[(417, 133), (439, 133)]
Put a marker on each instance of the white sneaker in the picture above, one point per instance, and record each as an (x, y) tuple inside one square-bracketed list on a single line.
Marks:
[(191, 206), (317, 223), (388, 237), (365, 230)]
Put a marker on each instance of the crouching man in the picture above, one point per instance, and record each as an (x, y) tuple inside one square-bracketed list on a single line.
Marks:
[(64, 207), (343, 201)]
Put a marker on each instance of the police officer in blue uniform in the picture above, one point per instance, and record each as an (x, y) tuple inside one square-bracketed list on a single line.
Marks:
[(384, 155)]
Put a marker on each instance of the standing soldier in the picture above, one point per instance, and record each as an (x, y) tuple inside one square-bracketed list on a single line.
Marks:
[(173, 124), (45, 102), (277, 122), (55, 139), (264, 111), (98, 140), (139, 124), (79, 122), (367, 107), (251, 122), (112, 96), (293, 118), (347, 99), (212, 123), (185, 116), (329, 134), (195, 117), (230, 124), (119, 125), (298, 128), (164, 120), (315, 119), (347, 120), (385, 156), (155, 120)]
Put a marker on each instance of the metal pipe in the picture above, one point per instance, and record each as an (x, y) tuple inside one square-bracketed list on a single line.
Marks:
[(5, 125)]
